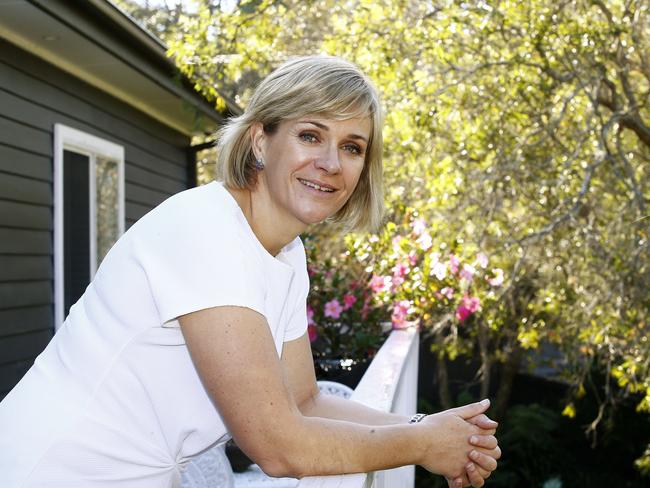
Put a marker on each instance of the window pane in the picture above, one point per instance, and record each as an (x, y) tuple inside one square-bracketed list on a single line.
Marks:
[(76, 227), (107, 184)]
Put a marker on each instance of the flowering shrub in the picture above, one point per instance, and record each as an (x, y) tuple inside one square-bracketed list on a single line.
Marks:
[(343, 315), (433, 285), (404, 277)]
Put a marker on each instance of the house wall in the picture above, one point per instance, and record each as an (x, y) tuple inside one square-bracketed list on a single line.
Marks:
[(35, 95)]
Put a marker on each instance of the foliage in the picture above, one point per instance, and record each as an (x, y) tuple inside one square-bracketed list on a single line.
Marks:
[(515, 129)]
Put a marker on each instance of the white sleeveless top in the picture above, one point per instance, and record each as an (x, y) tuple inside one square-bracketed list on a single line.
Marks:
[(115, 398)]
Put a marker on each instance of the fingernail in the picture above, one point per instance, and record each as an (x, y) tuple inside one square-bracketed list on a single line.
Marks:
[(485, 402), (473, 454), (473, 440), (470, 467)]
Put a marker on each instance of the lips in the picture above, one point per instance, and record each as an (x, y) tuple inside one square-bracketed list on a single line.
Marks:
[(317, 186)]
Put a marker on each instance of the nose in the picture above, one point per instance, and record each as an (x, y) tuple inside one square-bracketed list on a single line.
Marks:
[(329, 161)]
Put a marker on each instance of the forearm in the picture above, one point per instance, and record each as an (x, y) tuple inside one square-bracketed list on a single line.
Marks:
[(337, 408), (320, 446)]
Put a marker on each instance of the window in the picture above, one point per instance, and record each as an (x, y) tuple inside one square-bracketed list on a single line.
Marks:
[(88, 210)]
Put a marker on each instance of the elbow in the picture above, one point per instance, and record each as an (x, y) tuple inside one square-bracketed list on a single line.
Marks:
[(277, 453), (279, 466)]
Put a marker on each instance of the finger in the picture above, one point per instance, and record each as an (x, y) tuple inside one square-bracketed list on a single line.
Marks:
[(485, 474), (474, 476), (493, 453), (483, 460), (484, 422), (457, 482), (471, 410), (484, 441)]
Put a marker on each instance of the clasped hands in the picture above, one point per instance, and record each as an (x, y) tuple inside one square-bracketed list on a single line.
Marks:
[(463, 448)]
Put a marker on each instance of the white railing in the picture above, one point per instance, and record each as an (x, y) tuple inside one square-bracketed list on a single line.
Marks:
[(390, 384)]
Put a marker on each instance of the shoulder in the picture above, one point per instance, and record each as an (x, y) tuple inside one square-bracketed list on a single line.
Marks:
[(202, 222), (202, 210)]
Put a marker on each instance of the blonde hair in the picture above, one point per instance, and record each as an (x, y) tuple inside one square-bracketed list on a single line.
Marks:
[(311, 85)]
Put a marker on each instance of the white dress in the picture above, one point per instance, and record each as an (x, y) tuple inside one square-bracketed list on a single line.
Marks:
[(114, 400)]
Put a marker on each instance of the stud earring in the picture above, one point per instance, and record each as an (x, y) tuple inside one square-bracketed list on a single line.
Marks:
[(259, 164)]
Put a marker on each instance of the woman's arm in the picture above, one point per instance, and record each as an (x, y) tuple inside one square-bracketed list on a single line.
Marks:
[(235, 357), (298, 365)]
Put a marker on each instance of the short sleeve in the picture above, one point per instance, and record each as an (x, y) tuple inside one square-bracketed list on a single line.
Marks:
[(194, 263), (297, 324)]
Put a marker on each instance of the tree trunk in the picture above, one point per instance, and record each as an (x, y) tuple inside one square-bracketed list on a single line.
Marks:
[(443, 382), (508, 372), (486, 361)]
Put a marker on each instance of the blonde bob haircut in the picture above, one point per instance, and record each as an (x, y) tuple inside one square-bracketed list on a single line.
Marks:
[(314, 85)]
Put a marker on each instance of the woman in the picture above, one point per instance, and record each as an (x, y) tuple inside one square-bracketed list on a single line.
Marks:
[(194, 327)]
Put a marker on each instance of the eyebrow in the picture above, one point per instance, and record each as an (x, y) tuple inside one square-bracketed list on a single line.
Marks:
[(325, 128)]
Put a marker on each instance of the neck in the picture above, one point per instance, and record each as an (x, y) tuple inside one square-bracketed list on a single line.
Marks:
[(267, 225)]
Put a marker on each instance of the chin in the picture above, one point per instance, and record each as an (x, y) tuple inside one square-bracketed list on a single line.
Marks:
[(312, 218)]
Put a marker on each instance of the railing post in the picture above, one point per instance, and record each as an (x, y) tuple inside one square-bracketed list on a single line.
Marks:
[(405, 403)]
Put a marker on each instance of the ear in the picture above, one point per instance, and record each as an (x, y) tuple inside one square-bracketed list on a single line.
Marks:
[(258, 139)]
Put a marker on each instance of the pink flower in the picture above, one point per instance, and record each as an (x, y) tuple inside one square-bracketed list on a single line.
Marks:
[(400, 270), (379, 283), (498, 277), (401, 310), (396, 282), (312, 331), (419, 226), (310, 315), (462, 313), (424, 241), (413, 258), (468, 305), (333, 309), (439, 270), (447, 292), (481, 260), (472, 303), (348, 300), (467, 272), (454, 262)]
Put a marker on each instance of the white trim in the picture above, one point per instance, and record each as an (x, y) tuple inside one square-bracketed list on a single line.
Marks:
[(92, 214), (67, 138)]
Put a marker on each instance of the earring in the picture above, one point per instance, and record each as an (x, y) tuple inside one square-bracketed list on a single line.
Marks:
[(259, 164)]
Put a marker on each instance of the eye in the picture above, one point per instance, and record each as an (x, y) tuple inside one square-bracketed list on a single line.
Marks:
[(308, 137), (353, 149)]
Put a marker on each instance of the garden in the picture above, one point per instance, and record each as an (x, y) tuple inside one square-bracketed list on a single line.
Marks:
[(517, 185)]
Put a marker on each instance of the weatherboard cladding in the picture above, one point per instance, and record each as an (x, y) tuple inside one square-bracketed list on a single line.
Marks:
[(34, 95)]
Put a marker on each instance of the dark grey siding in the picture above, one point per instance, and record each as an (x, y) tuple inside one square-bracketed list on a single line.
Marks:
[(35, 95)]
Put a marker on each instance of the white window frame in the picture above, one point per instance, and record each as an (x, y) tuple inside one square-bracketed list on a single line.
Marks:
[(68, 138)]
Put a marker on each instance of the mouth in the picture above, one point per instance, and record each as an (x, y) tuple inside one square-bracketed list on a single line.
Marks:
[(317, 186)]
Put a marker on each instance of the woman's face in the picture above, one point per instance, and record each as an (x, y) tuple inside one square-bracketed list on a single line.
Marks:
[(312, 165)]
